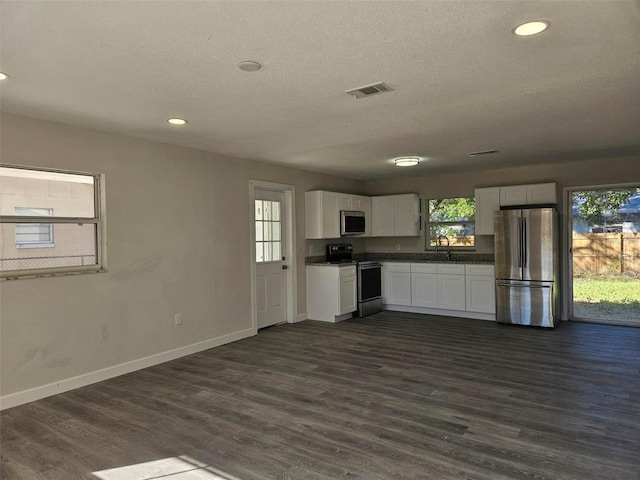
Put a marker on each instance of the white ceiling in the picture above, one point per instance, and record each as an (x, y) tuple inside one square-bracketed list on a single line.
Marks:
[(462, 81)]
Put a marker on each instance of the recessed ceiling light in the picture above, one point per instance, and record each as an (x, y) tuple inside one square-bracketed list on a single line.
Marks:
[(249, 66), (177, 121), (406, 161), (531, 28), (3, 76)]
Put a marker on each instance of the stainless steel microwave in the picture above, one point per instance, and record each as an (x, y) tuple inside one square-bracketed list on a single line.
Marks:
[(351, 222)]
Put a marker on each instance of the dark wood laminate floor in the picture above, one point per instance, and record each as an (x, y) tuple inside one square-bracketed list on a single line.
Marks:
[(393, 395)]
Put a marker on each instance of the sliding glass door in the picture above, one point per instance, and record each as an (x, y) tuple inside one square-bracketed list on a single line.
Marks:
[(605, 255)]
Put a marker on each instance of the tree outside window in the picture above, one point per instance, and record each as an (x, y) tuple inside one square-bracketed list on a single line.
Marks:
[(453, 219)]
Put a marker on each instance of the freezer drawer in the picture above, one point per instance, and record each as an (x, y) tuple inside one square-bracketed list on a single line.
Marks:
[(525, 303)]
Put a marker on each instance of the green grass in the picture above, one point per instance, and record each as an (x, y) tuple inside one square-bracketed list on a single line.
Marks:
[(610, 294)]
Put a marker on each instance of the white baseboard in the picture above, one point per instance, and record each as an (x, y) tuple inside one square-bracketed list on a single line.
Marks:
[(26, 396), (438, 311), (301, 317)]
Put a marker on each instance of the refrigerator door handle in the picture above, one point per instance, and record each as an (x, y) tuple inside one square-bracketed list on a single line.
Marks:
[(525, 245), (522, 285), (519, 242)]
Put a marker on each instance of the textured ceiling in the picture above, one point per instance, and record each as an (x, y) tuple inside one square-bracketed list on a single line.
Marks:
[(462, 81)]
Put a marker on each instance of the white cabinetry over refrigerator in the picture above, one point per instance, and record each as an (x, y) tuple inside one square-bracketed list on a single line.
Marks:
[(532, 194)]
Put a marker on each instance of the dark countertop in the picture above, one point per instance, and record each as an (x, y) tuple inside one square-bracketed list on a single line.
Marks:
[(427, 257)]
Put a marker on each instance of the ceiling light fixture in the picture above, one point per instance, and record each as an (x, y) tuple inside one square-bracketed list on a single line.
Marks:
[(531, 28), (482, 152), (406, 161), (249, 66), (3, 76), (177, 121)]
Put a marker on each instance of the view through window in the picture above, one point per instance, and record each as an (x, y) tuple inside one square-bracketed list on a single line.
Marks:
[(451, 222)]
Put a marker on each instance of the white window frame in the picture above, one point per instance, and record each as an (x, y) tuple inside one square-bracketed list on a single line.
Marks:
[(444, 247), (99, 220)]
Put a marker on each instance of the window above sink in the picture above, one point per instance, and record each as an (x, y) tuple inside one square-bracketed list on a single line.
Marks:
[(450, 224)]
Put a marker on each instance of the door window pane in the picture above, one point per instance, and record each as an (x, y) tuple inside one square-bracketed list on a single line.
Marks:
[(268, 230)]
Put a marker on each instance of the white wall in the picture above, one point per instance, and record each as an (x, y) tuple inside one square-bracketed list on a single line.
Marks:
[(178, 241)]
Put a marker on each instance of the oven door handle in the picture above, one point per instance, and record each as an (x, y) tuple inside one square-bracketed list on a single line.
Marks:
[(369, 267)]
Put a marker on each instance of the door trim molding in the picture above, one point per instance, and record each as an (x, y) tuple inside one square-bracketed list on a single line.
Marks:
[(289, 192)]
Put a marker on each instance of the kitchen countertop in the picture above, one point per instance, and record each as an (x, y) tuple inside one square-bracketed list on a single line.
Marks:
[(427, 257)]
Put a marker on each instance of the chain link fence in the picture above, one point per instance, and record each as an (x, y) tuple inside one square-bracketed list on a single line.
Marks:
[(30, 263)]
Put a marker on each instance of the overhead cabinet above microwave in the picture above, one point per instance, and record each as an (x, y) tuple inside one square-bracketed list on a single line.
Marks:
[(384, 216), (323, 213)]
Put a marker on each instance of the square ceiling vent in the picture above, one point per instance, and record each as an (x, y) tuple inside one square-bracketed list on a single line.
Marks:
[(369, 90)]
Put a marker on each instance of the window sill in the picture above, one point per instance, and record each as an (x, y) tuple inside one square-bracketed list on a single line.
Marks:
[(35, 245), (51, 272)]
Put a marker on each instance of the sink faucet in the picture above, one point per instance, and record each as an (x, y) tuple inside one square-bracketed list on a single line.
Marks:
[(439, 244)]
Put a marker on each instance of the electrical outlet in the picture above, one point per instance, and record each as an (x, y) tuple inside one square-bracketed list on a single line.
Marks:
[(310, 248), (397, 246), (178, 318)]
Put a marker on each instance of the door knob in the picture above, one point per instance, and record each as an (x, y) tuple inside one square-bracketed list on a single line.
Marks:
[(284, 267)]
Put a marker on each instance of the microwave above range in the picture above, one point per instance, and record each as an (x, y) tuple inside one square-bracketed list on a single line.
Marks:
[(352, 222)]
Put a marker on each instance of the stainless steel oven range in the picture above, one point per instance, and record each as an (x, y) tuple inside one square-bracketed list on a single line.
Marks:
[(369, 278), (369, 288)]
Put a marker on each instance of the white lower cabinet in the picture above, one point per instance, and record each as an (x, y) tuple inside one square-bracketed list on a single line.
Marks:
[(397, 283), (348, 294), (332, 292), (424, 285), (451, 292), (481, 296), (440, 288)]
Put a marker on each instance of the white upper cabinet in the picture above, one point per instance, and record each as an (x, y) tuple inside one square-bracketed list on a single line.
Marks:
[(396, 215), (534, 194), (383, 212), (542, 193), (322, 212), (363, 204), (487, 202)]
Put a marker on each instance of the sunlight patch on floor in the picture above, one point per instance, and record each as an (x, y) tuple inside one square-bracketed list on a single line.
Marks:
[(174, 468)]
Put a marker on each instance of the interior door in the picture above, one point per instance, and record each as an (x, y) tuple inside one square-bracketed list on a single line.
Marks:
[(271, 264)]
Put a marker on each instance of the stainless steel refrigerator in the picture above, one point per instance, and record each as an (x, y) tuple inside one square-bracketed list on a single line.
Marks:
[(526, 266)]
